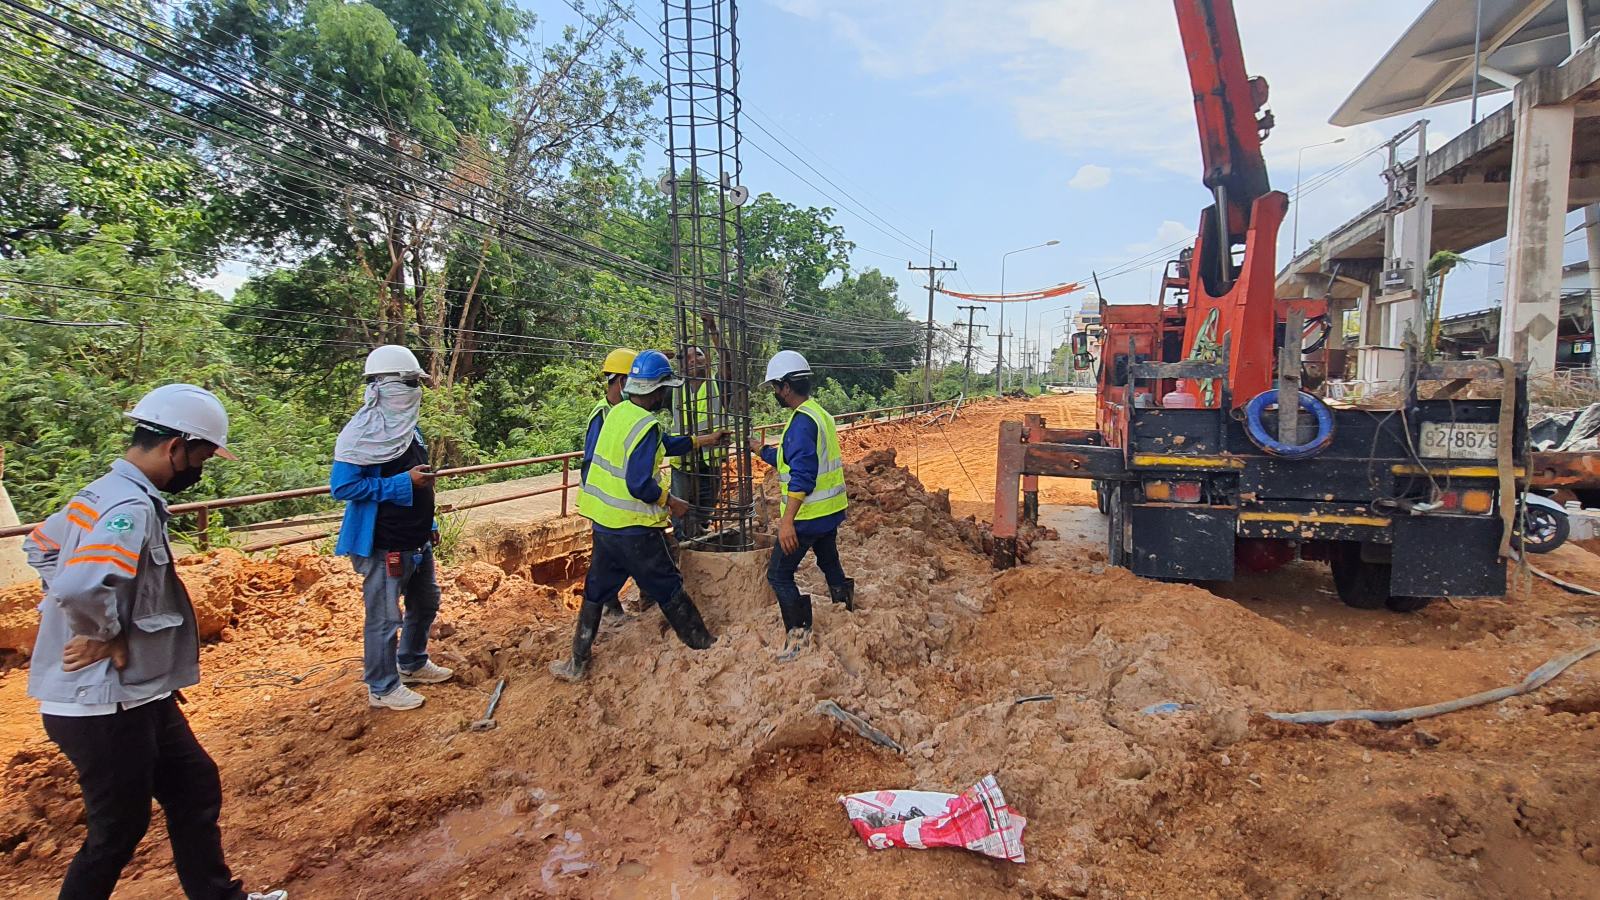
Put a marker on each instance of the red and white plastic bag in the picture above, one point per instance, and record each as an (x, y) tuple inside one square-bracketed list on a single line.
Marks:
[(979, 820)]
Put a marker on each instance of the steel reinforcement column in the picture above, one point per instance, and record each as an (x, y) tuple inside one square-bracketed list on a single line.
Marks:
[(714, 335)]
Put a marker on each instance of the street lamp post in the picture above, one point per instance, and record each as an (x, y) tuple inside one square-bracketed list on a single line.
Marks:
[(1294, 241), (1000, 366)]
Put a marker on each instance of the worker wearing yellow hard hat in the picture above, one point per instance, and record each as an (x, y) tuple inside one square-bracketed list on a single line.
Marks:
[(615, 372)]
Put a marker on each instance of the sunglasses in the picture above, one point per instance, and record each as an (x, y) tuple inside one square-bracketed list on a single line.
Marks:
[(411, 382)]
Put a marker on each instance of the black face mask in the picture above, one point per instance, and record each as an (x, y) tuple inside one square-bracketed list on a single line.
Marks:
[(183, 479)]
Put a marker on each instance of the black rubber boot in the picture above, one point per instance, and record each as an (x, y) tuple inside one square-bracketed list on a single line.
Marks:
[(845, 594), (577, 667), (796, 615), (685, 620)]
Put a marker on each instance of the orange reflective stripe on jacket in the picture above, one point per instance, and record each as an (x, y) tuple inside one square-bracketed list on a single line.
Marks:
[(117, 561), (88, 513), (43, 540), (132, 557)]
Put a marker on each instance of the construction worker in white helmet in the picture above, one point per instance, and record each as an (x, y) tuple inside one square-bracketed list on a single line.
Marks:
[(811, 477), (381, 471), (623, 496), (118, 640)]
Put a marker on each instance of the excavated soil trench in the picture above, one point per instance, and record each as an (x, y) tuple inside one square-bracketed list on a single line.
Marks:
[(674, 773)]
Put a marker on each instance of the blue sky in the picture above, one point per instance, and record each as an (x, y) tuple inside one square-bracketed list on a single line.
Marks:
[(1005, 125), (1002, 125)]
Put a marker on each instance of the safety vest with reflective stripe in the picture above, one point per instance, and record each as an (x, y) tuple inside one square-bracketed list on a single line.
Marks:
[(703, 398), (605, 499), (828, 497), (599, 410)]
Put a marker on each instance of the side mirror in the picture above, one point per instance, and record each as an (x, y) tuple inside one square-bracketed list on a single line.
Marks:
[(1080, 343), (1082, 361)]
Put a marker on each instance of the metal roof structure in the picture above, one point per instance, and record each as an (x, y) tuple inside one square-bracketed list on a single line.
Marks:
[(1432, 63)]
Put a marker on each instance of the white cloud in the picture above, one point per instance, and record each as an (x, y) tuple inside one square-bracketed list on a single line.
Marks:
[(1108, 76), (227, 280), (1090, 177)]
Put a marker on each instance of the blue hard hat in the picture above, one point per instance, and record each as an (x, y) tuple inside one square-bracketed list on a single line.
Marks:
[(651, 365), (651, 369)]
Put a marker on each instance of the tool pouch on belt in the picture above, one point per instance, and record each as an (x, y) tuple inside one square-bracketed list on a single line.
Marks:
[(395, 563)]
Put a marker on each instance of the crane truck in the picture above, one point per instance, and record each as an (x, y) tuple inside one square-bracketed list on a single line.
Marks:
[(1213, 453)]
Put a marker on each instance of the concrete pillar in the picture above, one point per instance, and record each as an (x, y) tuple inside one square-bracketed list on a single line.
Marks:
[(1541, 166), (1591, 225), (13, 562)]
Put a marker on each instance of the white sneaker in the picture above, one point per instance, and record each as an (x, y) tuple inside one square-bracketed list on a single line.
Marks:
[(430, 673), (401, 697), (270, 895)]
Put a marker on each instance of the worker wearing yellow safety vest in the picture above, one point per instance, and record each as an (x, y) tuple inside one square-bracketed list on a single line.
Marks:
[(623, 496), (811, 475), (614, 373), (697, 477)]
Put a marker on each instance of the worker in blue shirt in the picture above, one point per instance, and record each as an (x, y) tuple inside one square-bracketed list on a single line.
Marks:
[(382, 473), (623, 496), (811, 475)]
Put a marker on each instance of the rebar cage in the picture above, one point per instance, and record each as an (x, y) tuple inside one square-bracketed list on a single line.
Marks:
[(714, 340)]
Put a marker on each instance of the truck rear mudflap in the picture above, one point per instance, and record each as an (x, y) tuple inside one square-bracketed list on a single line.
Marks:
[(1429, 555), (1446, 556)]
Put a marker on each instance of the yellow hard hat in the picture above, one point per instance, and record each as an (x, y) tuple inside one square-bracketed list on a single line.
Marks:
[(618, 361)]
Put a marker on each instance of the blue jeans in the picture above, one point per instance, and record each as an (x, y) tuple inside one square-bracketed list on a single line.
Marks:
[(381, 659), (793, 605)]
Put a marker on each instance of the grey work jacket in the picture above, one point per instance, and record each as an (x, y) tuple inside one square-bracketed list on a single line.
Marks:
[(107, 569)]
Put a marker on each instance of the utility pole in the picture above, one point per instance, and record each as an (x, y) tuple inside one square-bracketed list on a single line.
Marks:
[(966, 362), (1000, 362), (930, 269)]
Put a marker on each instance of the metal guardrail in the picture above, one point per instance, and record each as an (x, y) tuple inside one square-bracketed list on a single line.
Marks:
[(202, 508)]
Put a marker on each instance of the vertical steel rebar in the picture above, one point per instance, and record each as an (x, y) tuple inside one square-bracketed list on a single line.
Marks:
[(703, 179)]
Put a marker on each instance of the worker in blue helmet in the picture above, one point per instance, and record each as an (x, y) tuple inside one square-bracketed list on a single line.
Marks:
[(624, 496)]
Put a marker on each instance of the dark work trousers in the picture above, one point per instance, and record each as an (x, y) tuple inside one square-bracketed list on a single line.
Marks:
[(700, 491), (645, 557), (124, 760), (793, 605)]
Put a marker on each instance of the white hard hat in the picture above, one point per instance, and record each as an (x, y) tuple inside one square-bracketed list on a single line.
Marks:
[(193, 412), (785, 364), (392, 359)]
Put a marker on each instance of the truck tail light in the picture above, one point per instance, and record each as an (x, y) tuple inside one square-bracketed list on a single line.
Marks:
[(1476, 502), (1172, 491)]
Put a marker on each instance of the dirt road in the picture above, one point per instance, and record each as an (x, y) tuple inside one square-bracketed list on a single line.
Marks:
[(673, 773), (960, 457)]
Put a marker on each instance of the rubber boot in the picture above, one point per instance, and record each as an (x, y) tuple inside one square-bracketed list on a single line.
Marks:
[(794, 642), (614, 615), (685, 620), (845, 594), (796, 615), (574, 669)]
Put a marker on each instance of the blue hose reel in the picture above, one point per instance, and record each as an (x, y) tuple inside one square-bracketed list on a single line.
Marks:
[(1282, 448)]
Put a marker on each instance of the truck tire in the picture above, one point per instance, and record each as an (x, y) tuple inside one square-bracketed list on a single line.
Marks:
[(1407, 604), (1116, 527), (1361, 584)]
